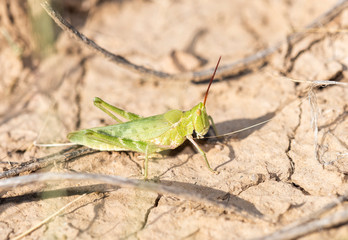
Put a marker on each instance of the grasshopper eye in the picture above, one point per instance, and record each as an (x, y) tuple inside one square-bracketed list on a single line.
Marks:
[(198, 112)]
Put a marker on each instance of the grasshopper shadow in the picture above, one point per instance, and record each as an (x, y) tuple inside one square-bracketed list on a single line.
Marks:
[(231, 126), (238, 124), (210, 194), (62, 192), (201, 193)]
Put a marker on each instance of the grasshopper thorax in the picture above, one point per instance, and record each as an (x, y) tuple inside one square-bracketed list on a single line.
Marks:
[(200, 120)]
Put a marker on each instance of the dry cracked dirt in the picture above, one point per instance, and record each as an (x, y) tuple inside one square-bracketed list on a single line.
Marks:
[(272, 175)]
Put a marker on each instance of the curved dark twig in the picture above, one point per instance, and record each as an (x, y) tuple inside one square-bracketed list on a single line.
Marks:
[(223, 71)]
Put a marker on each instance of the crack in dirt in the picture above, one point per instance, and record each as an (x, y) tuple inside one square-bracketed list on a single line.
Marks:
[(330, 128), (292, 162), (291, 138), (174, 166), (282, 216), (146, 217), (78, 86), (273, 175), (13, 111), (192, 234), (339, 119), (260, 179), (289, 48), (338, 76), (190, 49), (9, 13), (250, 29), (131, 156), (300, 188), (11, 230), (139, 222), (292, 61), (96, 210)]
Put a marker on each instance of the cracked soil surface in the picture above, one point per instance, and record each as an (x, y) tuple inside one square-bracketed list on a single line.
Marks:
[(273, 171)]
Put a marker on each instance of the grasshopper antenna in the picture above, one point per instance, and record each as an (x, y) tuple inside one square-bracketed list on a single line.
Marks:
[(240, 130), (211, 81)]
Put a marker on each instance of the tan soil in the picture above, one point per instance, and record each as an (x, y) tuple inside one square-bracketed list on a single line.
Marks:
[(272, 169)]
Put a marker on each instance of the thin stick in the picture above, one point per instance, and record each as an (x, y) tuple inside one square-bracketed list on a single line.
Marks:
[(312, 82), (302, 227), (118, 59), (126, 183), (224, 70), (323, 30), (295, 230), (46, 220), (38, 163)]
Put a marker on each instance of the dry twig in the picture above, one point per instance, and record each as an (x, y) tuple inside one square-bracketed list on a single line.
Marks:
[(312, 99), (121, 182), (38, 163), (311, 223), (46, 220), (223, 71)]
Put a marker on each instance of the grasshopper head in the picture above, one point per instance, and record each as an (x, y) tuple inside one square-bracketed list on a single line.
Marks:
[(200, 120)]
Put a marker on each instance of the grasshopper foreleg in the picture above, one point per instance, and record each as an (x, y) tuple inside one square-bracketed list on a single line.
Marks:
[(201, 152), (105, 107)]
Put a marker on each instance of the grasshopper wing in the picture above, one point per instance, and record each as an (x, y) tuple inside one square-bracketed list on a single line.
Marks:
[(143, 129)]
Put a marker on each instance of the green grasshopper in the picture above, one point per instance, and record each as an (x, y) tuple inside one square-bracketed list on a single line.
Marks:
[(148, 135)]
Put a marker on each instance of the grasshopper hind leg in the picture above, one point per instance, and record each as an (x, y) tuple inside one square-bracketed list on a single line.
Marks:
[(107, 108), (98, 140)]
